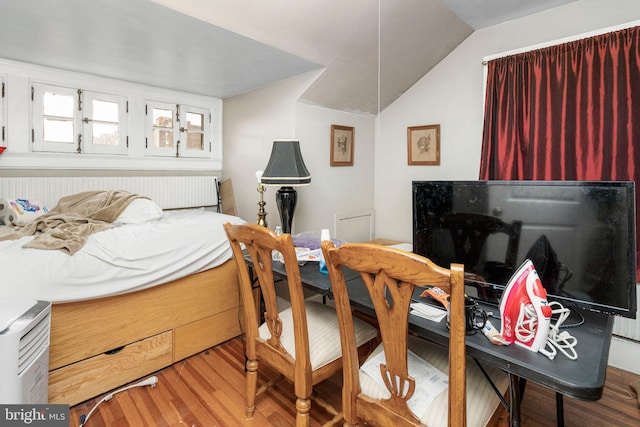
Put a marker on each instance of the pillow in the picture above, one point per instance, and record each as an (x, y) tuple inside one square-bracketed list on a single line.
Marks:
[(139, 211), (21, 211)]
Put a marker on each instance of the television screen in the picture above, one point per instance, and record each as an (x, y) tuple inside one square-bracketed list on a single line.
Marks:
[(580, 236)]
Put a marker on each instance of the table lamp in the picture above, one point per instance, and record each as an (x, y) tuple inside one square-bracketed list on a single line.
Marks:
[(287, 169)]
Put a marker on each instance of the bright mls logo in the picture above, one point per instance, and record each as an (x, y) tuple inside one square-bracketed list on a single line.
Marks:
[(34, 415)]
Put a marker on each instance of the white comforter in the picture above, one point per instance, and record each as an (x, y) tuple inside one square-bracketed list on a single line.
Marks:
[(122, 259)]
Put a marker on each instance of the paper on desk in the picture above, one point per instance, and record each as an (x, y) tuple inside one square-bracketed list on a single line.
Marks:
[(428, 311), (430, 381), (306, 254)]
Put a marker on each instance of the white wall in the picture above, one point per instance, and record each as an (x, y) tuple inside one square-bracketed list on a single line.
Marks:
[(451, 95), (336, 189), (253, 120), (250, 124)]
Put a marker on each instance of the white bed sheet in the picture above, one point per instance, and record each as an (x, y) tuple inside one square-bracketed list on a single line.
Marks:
[(122, 259)]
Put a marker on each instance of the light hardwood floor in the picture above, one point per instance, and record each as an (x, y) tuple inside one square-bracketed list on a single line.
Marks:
[(208, 390)]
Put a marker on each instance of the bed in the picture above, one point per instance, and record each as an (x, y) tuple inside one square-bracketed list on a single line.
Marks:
[(124, 310)]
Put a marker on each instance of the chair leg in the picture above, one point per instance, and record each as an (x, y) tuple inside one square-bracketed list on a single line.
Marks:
[(252, 382), (302, 412)]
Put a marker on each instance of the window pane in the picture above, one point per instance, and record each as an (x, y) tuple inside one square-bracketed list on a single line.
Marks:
[(195, 141), (57, 105), (162, 138), (105, 111), (105, 134), (58, 130), (163, 118), (195, 122)]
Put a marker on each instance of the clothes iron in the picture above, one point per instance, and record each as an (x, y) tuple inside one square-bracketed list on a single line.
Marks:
[(524, 310)]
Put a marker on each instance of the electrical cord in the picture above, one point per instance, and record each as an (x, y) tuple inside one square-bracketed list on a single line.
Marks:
[(556, 341), (151, 381), (577, 323), (526, 323), (562, 341)]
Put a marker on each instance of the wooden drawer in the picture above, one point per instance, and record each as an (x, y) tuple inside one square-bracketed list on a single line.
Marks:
[(83, 329), (88, 378), (199, 335)]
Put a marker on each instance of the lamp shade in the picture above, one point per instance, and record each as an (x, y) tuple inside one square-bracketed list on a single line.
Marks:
[(286, 166)]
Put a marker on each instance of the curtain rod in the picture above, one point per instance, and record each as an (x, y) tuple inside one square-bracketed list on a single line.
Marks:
[(488, 58)]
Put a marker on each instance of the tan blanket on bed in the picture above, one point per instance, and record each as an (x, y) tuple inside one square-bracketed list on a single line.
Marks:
[(67, 226)]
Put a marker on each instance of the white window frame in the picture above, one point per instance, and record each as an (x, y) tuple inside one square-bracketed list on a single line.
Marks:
[(180, 131), (183, 110), (37, 117), (82, 130), (149, 125), (87, 112), (25, 152)]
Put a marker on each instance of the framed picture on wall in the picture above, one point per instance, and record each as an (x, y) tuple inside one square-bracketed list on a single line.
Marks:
[(342, 140), (423, 145)]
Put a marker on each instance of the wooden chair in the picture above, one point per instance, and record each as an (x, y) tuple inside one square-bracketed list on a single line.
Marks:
[(301, 342), (391, 276)]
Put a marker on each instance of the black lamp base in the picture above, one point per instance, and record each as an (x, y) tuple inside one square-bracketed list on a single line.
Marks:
[(286, 198)]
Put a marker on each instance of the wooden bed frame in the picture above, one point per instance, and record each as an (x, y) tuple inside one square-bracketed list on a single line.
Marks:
[(101, 344)]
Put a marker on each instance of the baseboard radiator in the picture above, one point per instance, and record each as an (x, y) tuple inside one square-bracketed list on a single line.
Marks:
[(629, 328), (354, 226), (170, 192)]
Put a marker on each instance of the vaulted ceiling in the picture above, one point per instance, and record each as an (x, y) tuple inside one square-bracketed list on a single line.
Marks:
[(369, 51)]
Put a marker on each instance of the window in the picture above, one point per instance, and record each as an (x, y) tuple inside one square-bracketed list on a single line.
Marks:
[(54, 123), (177, 130), (195, 131), (57, 119), (69, 120), (163, 128), (105, 116)]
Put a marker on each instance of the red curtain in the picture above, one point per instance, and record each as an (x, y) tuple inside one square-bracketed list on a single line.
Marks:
[(566, 112)]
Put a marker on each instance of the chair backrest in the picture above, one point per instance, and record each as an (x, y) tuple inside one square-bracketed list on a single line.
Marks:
[(259, 242), (391, 276)]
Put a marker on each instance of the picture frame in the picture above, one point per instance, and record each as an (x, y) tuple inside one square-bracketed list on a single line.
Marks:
[(423, 145), (342, 142)]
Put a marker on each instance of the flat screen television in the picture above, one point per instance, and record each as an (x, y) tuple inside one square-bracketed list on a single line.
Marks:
[(580, 236)]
